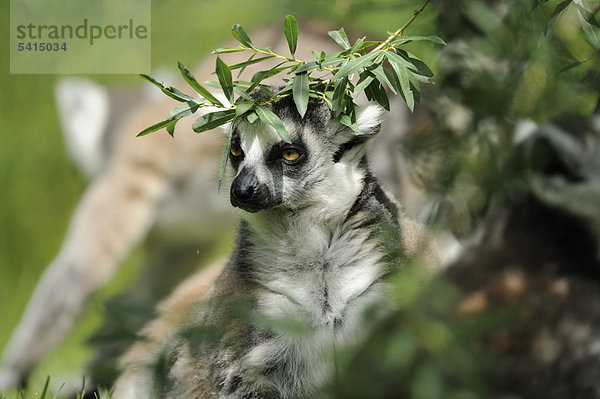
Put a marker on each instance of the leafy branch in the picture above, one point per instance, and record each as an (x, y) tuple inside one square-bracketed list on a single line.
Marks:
[(337, 78)]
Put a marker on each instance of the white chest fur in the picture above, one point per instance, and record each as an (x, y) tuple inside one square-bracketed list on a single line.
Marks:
[(314, 272), (322, 275)]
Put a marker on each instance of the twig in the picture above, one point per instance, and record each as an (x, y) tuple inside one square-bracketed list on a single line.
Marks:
[(403, 27), (270, 52)]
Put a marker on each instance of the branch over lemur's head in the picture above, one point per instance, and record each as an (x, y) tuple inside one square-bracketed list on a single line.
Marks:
[(324, 158)]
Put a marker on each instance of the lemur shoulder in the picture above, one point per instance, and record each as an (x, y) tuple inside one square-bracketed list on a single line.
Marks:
[(312, 251)]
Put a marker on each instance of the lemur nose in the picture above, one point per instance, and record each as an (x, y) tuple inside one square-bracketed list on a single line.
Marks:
[(244, 189), (249, 194), (243, 192)]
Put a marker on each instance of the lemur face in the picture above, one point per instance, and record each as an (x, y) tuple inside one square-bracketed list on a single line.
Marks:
[(270, 173)]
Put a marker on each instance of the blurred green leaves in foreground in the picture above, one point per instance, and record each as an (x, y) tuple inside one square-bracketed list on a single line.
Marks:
[(514, 74), (506, 63)]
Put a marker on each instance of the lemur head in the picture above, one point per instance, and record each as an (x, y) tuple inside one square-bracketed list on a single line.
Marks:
[(324, 164)]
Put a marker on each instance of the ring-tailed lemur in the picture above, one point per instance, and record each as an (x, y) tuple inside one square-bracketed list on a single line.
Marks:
[(310, 250)]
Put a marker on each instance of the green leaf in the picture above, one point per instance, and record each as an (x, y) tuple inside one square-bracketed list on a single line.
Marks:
[(213, 120), (241, 83), (358, 44), (572, 65), (300, 92), (176, 113), (406, 92), (589, 16), (380, 73), (155, 127), (191, 80), (393, 78), (422, 68), (225, 155), (250, 61), (266, 91), (414, 86), (226, 50), (290, 28), (252, 117), (242, 93), (57, 393), (338, 96), (320, 56), (340, 38), (210, 83), (408, 39), (286, 90), (347, 121), (560, 7), (350, 107), (184, 109), (396, 59), (328, 60), (307, 66), (268, 117), (355, 65), (376, 92), (243, 67), (591, 32), (225, 79), (45, 388), (409, 61), (365, 80), (243, 107), (171, 128), (262, 75), (333, 58), (366, 44), (168, 90), (241, 36)]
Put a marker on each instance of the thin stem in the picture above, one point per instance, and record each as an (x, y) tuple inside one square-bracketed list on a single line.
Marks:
[(403, 27), (276, 55)]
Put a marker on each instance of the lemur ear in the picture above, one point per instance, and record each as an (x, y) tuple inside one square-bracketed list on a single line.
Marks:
[(368, 119), (225, 128)]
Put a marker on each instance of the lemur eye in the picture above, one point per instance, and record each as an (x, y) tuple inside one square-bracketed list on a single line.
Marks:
[(235, 150), (290, 154)]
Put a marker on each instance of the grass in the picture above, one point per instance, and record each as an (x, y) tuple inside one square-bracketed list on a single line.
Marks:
[(41, 186), (47, 393)]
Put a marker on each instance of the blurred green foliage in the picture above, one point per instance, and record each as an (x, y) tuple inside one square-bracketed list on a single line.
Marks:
[(506, 63), (509, 63)]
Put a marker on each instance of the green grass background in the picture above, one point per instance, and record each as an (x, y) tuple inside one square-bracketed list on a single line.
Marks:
[(39, 186)]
